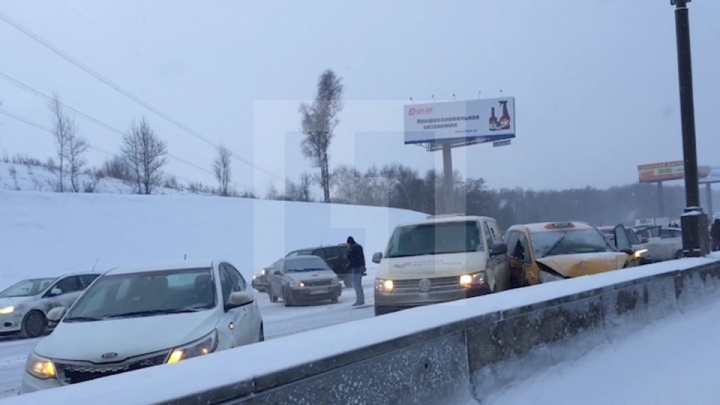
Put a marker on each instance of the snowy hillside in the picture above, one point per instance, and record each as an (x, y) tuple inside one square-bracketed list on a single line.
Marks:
[(20, 177), (52, 233)]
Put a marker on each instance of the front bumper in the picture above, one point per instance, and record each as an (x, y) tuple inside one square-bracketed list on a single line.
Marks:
[(260, 284), (31, 384), (11, 323), (403, 300), (315, 293)]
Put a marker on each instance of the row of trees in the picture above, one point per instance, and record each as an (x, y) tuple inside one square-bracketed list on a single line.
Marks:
[(140, 163), (398, 186)]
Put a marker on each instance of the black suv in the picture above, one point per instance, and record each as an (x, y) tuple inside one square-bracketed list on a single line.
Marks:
[(334, 255)]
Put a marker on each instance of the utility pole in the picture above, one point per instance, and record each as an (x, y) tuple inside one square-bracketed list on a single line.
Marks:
[(694, 221)]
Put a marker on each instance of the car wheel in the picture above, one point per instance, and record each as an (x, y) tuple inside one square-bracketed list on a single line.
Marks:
[(33, 325), (679, 254), (334, 300), (273, 297), (261, 338)]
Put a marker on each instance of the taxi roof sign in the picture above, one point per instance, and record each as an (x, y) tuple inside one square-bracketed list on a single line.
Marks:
[(560, 225)]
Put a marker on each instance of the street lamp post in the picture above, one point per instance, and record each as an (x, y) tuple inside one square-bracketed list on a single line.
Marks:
[(694, 221)]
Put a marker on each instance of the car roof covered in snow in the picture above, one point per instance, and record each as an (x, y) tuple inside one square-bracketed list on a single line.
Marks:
[(177, 265)]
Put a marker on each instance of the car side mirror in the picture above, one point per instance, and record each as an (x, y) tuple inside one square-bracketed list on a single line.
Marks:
[(377, 257), (498, 249), (56, 314), (277, 272), (55, 291), (240, 298)]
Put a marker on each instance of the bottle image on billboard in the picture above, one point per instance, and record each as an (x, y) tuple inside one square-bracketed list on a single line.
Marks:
[(505, 118), (493, 121)]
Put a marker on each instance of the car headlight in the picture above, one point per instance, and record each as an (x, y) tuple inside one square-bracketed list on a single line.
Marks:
[(7, 310), (638, 254), (262, 273), (39, 367), (472, 280), (384, 285), (296, 284), (200, 347)]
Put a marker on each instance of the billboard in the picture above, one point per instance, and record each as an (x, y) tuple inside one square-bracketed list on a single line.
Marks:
[(712, 177), (485, 120), (655, 172)]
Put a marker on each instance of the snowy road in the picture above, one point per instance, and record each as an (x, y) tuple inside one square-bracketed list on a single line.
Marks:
[(279, 321)]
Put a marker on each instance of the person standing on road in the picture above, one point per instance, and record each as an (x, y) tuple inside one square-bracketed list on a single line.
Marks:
[(715, 235), (356, 257)]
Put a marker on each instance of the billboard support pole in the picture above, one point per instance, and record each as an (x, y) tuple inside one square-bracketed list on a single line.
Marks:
[(449, 181), (661, 199), (708, 191), (694, 221)]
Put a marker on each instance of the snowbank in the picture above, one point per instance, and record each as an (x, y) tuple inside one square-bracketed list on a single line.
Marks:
[(45, 234), (20, 177)]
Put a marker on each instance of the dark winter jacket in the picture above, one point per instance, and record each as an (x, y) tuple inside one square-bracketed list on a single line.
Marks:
[(356, 257), (715, 231)]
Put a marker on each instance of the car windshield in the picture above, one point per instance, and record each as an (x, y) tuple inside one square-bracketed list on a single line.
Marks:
[(27, 288), (305, 264), (569, 242), (433, 239), (146, 294)]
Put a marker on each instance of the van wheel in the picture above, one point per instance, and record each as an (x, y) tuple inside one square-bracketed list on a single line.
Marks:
[(33, 325)]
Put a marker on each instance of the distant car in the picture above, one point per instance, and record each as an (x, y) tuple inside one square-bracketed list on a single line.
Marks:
[(133, 318), (259, 281), (303, 279), (334, 255), (663, 243), (24, 306), (544, 252), (640, 250)]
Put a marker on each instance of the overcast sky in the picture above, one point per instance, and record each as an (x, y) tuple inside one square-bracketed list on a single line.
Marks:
[(595, 81)]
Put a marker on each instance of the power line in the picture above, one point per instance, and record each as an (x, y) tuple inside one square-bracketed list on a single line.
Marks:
[(38, 126), (119, 89)]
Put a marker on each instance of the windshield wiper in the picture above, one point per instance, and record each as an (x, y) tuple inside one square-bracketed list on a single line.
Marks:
[(554, 246), (155, 312), (83, 319)]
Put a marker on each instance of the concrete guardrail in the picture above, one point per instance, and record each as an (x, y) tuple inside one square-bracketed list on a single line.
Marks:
[(441, 354)]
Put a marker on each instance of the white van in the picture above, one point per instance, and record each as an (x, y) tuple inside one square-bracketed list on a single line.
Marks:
[(443, 258)]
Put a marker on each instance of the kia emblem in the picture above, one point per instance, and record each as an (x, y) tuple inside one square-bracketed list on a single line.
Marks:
[(109, 356)]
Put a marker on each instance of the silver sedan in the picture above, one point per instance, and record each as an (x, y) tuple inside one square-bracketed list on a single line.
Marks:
[(24, 306)]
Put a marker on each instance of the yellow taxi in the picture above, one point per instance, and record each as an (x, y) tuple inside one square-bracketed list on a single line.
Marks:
[(551, 251)]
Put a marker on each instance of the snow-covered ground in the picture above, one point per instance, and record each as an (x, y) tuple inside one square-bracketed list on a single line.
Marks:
[(46, 234), (675, 361), (19, 177)]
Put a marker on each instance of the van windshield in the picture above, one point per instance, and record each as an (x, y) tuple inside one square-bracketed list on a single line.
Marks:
[(434, 239)]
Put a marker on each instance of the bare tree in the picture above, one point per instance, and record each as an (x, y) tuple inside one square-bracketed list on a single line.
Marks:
[(223, 171), (63, 129), (145, 154), (76, 148), (318, 123)]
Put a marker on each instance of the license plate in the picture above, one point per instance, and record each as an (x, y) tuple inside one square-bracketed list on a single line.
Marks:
[(319, 291)]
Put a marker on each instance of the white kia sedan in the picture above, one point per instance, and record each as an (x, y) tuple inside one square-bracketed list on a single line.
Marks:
[(132, 318)]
